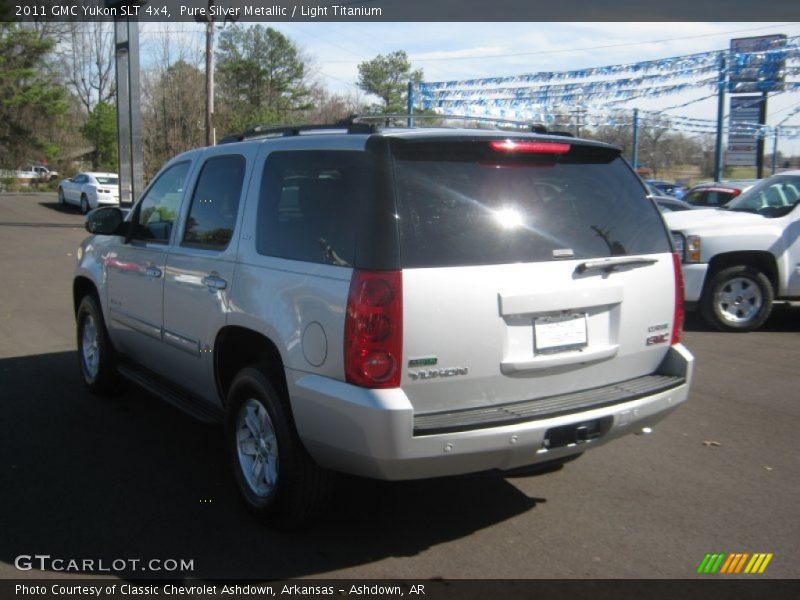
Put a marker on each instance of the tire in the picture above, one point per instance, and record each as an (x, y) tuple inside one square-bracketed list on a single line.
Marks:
[(61, 201), (277, 478), (84, 204), (737, 299), (96, 355)]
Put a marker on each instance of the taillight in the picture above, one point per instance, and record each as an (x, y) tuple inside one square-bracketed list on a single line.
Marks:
[(373, 329), (677, 320), (529, 147)]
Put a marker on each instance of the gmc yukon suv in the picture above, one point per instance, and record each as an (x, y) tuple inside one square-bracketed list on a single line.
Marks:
[(395, 304)]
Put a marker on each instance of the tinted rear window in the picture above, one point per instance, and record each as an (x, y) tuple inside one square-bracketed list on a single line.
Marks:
[(461, 203)]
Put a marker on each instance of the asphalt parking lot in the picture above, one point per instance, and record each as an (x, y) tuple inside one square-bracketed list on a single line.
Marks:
[(82, 477)]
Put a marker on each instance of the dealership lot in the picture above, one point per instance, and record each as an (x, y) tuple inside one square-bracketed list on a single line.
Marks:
[(133, 477)]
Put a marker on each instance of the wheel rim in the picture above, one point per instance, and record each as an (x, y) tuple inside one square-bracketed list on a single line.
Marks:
[(257, 448), (90, 350), (739, 300)]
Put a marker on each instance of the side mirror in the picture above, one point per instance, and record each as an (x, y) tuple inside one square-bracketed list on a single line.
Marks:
[(108, 220)]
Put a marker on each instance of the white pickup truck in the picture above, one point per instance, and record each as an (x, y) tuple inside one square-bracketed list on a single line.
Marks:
[(42, 172), (739, 259), (30, 174)]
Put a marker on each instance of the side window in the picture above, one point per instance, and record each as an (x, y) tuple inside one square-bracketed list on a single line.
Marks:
[(215, 203), (309, 203), (80, 179), (159, 207)]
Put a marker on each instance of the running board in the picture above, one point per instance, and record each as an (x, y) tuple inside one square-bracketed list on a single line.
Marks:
[(180, 398)]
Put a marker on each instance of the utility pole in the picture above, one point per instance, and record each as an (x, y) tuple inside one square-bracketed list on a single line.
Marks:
[(410, 105), (762, 120), (776, 134), (578, 112), (210, 133), (720, 114)]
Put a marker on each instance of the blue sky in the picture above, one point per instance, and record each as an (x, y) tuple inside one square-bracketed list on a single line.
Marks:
[(448, 51)]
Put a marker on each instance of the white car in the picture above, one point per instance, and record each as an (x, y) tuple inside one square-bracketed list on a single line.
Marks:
[(90, 190)]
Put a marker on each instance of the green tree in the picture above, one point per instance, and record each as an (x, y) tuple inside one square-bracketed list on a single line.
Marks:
[(30, 98), (261, 76), (101, 131), (387, 77)]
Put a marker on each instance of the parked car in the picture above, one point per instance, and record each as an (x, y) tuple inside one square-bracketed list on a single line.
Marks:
[(670, 204), (89, 190), (668, 188), (716, 194), (395, 304), (738, 259)]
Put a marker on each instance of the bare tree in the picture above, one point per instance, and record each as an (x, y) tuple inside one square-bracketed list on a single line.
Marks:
[(87, 53), (173, 100), (330, 108)]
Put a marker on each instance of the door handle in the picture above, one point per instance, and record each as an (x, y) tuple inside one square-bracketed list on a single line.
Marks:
[(153, 272), (214, 282)]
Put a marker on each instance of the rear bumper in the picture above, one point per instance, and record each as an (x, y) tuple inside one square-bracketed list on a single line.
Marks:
[(371, 432)]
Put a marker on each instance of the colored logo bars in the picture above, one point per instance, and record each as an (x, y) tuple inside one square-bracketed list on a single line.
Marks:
[(742, 562)]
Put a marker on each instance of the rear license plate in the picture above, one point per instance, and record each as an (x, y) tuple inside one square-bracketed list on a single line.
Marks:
[(559, 334)]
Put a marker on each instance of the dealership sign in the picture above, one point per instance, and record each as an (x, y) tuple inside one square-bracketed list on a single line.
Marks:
[(757, 64), (743, 135)]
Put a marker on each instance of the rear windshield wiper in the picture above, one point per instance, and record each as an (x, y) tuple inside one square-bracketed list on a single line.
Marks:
[(612, 264)]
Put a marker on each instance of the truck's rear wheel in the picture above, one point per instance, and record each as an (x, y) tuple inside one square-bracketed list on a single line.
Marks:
[(278, 480), (737, 299)]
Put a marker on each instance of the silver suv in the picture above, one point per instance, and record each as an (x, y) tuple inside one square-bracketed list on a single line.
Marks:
[(395, 304)]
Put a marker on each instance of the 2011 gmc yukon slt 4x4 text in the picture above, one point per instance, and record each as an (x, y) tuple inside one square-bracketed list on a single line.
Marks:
[(395, 304)]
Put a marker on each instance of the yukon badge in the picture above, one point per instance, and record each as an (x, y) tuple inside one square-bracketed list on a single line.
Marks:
[(440, 372)]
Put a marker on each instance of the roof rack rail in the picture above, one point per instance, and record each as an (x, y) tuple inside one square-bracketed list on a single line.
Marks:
[(532, 127), (363, 124), (266, 131)]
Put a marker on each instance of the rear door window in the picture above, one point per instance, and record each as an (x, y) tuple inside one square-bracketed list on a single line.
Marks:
[(464, 203), (215, 203), (308, 209)]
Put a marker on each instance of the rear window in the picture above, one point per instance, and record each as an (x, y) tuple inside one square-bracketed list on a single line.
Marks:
[(108, 180), (463, 203)]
